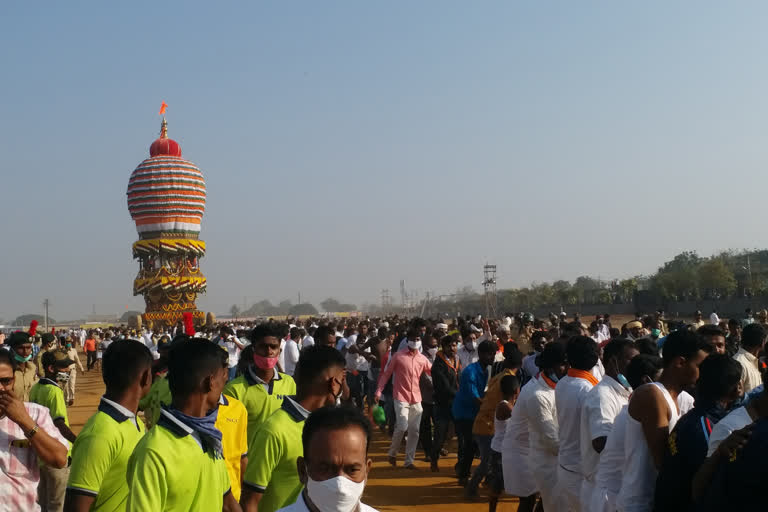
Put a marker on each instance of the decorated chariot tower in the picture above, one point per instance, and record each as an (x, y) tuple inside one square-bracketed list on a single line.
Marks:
[(166, 199)]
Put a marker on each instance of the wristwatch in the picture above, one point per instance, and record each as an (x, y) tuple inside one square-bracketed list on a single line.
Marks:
[(32, 432)]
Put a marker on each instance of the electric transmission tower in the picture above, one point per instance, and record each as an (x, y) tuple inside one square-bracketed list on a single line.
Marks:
[(489, 286)]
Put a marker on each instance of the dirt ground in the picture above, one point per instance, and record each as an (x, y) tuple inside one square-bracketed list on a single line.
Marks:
[(388, 489)]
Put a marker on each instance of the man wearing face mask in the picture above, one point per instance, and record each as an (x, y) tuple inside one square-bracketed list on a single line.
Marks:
[(407, 366), (429, 351), (25, 374), (335, 465), (261, 388), (467, 352), (271, 481), (601, 406)]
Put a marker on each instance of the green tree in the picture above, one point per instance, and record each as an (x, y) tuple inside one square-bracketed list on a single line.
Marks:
[(302, 309), (716, 279), (126, 317), (26, 319)]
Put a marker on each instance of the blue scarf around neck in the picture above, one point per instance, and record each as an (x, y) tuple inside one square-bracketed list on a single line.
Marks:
[(205, 427)]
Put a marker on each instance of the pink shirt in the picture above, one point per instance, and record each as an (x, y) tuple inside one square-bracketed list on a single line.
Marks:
[(19, 471), (407, 366)]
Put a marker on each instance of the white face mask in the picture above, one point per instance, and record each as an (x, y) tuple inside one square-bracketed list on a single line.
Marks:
[(414, 344), (432, 351), (338, 494)]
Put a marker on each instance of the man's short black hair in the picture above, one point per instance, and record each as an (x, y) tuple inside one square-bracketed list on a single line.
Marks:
[(7, 358), (552, 355), (313, 362), (513, 358), (123, 363), (331, 417), (190, 362), (447, 340), (538, 334), (753, 335), (683, 343), (262, 331), (710, 330), (718, 374), (487, 347), (322, 333), (640, 366), (616, 348), (647, 346), (509, 385), (582, 352)]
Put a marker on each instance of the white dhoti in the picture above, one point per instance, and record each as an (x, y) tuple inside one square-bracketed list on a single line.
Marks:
[(518, 480), (544, 473), (569, 487), (587, 490)]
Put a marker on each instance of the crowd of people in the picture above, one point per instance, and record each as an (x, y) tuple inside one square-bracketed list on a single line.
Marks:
[(278, 415)]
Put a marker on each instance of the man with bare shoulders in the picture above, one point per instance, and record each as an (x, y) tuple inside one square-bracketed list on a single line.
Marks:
[(653, 412)]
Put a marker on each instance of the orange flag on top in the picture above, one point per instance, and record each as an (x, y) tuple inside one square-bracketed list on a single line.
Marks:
[(163, 107)]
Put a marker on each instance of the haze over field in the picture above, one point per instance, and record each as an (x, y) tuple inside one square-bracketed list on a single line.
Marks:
[(348, 146)]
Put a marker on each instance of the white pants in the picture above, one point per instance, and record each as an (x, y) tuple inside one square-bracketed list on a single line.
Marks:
[(407, 417), (587, 490), (69, 388), (544, 471), (569, 485), (602, 500)]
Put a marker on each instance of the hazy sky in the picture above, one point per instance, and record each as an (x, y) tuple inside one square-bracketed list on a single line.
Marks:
[(348, 145)]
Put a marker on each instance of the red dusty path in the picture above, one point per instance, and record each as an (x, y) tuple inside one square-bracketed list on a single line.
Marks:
[(388, 490)]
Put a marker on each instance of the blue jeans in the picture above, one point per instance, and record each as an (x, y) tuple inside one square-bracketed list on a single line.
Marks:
[(232, 372), (484, 446)]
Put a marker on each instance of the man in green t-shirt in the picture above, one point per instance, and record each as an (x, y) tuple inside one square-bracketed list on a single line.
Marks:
[(100, 453), (46, 392), (271, 480), (178, 466), (261, 388)]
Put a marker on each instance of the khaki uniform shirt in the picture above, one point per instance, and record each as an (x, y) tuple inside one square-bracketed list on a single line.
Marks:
[(26, 376)]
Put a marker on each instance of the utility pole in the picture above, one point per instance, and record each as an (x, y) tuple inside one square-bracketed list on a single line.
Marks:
[(299, 298), (46, 303)]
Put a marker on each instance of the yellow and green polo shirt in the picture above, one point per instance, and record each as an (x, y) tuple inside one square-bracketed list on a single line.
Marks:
[(170, 471), (260, 398), (232, 421), (159, 395), (100, 456), (47, 393), (273, 472)]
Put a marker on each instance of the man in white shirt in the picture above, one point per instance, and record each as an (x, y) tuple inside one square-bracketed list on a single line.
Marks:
[(752, 342), (308, 340), (570, 393), (291, 350), (653, 411), (233, 346), (601, 406), (467, 352), (713, 318)]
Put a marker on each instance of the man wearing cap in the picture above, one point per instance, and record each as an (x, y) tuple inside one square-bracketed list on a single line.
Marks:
[(53, 481), (635, 330), (48, 344), (25, 374), (524, 334)]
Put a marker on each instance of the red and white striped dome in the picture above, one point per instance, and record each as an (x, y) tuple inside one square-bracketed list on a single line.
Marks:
[(166, 193)]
